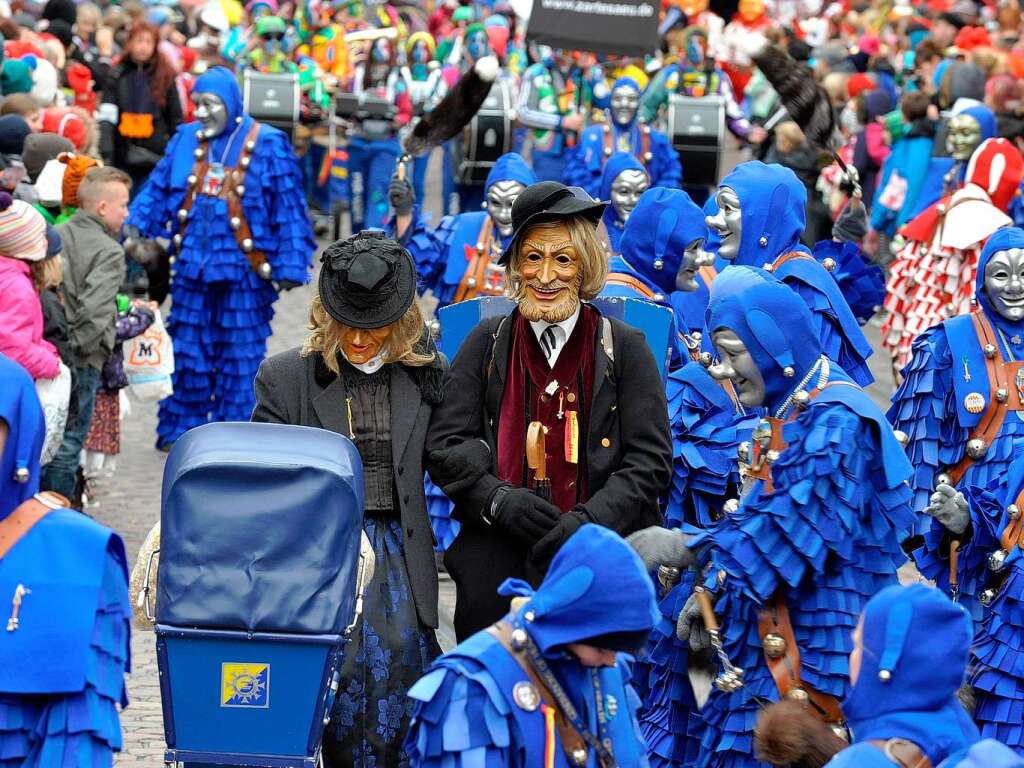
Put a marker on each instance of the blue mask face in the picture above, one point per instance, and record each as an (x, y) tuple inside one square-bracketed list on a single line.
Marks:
[(381, 52), (695, 50), (420, 54), (477, 45)]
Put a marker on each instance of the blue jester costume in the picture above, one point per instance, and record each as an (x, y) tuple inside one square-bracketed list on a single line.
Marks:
[(65, 650), (480, 706), (585, 162), (950, 396), (617, 164), (234, 206), (817, 532)]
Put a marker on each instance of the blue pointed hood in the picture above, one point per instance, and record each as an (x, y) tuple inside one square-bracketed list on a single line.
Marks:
[(511, 167), (773, 202), (617, 163), (918, 700), (663, 223), (221, 82), (985, 117), (1001, 240), (596, 586), (20, 409), (772, 321), (712, 240), (624, 82)]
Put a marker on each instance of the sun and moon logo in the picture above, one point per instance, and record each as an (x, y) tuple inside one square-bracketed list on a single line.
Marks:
[(244, 685)]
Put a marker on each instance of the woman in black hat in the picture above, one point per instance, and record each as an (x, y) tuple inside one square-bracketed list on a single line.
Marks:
[(369, 371)]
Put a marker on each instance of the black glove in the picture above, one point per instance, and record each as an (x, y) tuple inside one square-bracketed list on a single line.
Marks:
[(285, 285), (400, 195), (545, 549), (456, 469), (852, 224), (520, 512)]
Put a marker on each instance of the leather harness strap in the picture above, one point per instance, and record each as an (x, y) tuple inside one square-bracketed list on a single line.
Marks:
[(571, 739), (629, 281), (14, 527), (645, 144), (707, 274), (474, 279), (905, 754)]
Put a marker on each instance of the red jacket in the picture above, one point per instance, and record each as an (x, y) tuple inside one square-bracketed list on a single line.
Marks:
[(21, 321)]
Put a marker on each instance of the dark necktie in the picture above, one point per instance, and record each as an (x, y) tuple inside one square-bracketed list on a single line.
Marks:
[(548, 341)]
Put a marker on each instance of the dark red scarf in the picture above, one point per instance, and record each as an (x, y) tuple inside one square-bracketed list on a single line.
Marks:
[(531, 395)]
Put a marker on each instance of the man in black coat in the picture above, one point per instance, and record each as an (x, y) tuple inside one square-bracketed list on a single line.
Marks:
[(588, 382)]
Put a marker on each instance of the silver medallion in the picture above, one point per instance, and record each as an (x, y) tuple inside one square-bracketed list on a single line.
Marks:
[(526, 696)]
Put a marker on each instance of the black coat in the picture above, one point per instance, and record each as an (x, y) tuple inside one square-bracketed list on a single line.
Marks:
[(628, 451), (291, 389), (127, 88)]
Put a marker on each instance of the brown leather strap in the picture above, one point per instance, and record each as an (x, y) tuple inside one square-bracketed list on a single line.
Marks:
[(609, 148), (629, 281), (707, 274), (27, 514), (479, 258), (1013, 534), (571, 739), (906, 753), (782, 655), (791, 256)]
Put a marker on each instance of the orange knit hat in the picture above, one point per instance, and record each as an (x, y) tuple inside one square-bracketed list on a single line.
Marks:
[(77, 165)]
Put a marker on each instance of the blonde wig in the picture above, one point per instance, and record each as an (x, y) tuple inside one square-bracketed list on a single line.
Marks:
[(593, 260), (48, 273), (400, 346)]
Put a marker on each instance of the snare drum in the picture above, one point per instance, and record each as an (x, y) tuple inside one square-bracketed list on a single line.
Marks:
[(487, 137), (696, 126), (272, 99)]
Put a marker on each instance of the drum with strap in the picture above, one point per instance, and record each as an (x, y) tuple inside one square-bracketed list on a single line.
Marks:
[(486, 137), (696, 127), (274, 99)]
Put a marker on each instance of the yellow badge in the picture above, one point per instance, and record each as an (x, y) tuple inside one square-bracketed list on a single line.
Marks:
[(572, 438), (974, 402), (244, 685)]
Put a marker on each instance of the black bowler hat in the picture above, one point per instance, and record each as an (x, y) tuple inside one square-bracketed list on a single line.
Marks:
[(549, 201), (367, 281)]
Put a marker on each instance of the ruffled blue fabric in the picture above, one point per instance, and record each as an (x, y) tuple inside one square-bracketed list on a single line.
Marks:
[(439, 509), (423, 245), (585, 162), (83, 728), (861, 283), (827, 537)]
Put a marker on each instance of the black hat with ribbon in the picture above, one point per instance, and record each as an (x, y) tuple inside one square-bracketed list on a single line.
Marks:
[(367, 281), (548, 201)]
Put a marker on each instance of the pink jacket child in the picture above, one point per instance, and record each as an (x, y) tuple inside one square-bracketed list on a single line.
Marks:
[(22, 241)]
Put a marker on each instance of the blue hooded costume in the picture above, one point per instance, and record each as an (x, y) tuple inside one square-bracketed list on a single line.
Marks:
[(468, 708), (920, 638), (933, 187), (947, 366), (62, 670), (618, 163), (820, 538), (772, 204), (585, 161), (222, 309)]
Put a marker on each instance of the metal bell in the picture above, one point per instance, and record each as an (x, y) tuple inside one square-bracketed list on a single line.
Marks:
[(989, 350), (266, 270), (802, 398), (182, 215), (696, 336), (198, 154), (976, 448), (579, 757), (519, 638), (668, 576), (250, 145), (171, 260), (247, 245), (235, 222), (829, 264), (1012, 511), (658, 297), (762, 432), (607, 151), (177, 241), (997, 560), (192, 180), (799, 695), (529, 615), (21, 475), (943, 479), (788, 372), (1002, 394), (659, 263), (772, 456), (901, 437), (884, 675), (729, 680), (706, 359), (743, 451), (763, 241), (731, 506), (774, 646), (471, 282), (240, 190), (648, 157), (986, 597), (245, 161)]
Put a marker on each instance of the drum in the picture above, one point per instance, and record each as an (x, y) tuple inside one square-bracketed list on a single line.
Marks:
[(373, 113), (272, 99), (697, 129), (487, 137)]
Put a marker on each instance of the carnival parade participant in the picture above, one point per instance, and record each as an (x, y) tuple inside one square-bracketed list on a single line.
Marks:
[(622, 132), (933, 276), (623, 180), (589, 381), (230, 194), (816, 534), (549, 684), (422, 79), (955, 402), (65, 653), (369, 371), (556, 98)]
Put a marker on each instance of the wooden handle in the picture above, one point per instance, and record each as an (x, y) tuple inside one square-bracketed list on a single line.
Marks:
[(707, 610), (954, 560), (536, 458)]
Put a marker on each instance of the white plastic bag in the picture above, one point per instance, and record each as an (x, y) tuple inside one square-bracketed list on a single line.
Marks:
[(54, 394), (149, 362)]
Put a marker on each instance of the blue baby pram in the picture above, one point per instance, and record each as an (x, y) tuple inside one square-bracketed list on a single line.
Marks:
[(260, 580)]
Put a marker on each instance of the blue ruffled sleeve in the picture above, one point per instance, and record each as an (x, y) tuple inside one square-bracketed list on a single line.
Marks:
[(433, 272), (460, 719), (831, 501), (426, 246), (276, 209), (665, 168), (862, 283), (153, 210)]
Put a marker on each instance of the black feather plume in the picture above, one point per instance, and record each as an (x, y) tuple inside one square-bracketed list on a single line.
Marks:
[(454, 110), (805, 101)]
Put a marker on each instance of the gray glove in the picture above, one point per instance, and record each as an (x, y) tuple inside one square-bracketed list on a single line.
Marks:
[(400, 195), (949, 507), (852, 224), (690, 626), (660, 546)]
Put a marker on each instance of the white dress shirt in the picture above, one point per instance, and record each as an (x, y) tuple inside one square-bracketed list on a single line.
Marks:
[(563, 331)]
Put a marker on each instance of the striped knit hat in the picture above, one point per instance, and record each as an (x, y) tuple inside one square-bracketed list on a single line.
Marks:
[(22, 230)]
